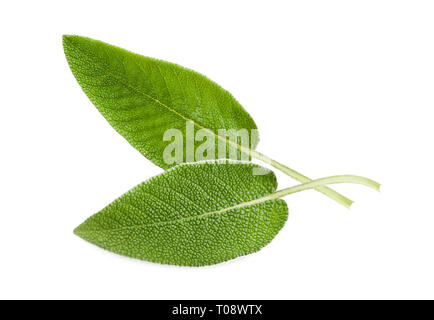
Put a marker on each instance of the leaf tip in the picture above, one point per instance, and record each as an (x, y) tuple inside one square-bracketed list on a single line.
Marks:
[(78, 230), (75, 231), (70, 39), (66, 38)]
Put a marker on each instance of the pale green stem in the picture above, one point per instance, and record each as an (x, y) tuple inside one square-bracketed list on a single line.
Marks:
[(311, 185), (288, 171), (327, 180), (301, 178)]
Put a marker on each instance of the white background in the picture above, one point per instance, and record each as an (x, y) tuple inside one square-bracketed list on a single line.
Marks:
[(335, 87)]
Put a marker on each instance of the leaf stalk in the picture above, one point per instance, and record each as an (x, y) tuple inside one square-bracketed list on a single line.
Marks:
[(303, 179), (313, 184)]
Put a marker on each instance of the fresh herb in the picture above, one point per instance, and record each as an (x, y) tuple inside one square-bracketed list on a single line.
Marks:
[(197, 212)]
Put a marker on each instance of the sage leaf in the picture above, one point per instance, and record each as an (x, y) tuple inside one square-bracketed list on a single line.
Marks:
[(142, 98), (191, 215)]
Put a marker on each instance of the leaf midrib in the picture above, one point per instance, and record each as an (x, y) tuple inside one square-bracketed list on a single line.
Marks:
[(202, 215)]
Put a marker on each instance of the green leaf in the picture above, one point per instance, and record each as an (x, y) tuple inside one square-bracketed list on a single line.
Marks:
[(143, 97), (192, 215)]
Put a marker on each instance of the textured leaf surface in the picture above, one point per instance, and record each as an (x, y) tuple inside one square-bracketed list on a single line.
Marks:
[(142, 97), (194, 214)]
